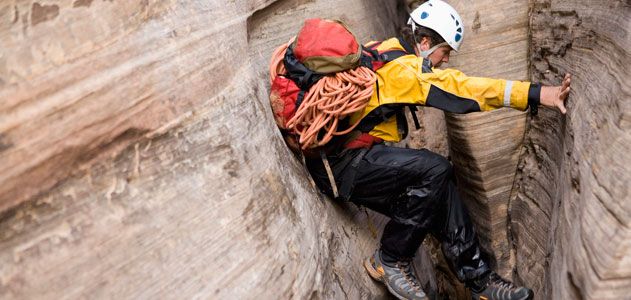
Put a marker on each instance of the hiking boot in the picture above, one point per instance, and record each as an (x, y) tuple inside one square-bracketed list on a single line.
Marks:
[(400, 280), (497, 288)]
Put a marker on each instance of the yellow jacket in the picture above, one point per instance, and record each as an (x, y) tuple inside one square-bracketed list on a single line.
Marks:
[(410, 80)]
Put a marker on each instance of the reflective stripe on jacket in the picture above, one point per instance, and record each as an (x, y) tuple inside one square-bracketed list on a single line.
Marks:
[(406, 81)]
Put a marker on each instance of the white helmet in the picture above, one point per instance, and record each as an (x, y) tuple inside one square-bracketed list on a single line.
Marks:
[(442, 18)]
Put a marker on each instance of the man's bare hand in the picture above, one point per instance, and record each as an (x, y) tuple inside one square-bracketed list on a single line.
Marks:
[(554, 96)]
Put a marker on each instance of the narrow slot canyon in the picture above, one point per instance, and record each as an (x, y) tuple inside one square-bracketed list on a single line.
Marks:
[(140, 159)]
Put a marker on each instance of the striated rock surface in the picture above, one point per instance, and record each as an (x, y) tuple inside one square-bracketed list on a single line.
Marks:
[(571, 213), (138, 158), (561, 226), (485, 146)]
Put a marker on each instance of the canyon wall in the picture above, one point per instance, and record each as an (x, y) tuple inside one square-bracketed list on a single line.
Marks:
[(571, 212), (139, 158), (560, 225), (485, 146)]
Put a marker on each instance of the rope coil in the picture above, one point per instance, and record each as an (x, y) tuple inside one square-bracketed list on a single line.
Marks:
[(330, 100)]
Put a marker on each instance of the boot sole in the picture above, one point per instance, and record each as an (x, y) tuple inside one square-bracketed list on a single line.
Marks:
[(376, 275)]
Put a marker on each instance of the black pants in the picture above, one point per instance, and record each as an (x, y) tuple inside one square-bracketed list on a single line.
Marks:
[(416, 189)]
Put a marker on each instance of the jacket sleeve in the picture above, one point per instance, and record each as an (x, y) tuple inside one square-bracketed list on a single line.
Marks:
[(453, 91)]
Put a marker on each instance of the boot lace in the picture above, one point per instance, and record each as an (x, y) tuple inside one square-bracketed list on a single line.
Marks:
[(408, 274), (501, 282)]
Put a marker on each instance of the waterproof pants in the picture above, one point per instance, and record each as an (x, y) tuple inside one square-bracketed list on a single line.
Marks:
[(416, 189)]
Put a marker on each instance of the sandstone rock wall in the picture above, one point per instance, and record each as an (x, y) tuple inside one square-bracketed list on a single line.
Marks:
[(139, 160), (561, 226), (485, 146), (571, 213)]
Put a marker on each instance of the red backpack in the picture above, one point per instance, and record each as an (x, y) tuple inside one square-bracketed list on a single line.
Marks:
[(325, 60)]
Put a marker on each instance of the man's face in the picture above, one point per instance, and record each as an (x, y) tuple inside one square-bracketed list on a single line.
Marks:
[(439, 56)]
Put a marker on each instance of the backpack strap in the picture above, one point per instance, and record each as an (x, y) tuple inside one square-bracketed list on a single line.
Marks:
[(379, 60), (377, 116), (389, 56), (348, 180), (413, 111), (408, 48), (300, 74), (329, 173), (385, 112)]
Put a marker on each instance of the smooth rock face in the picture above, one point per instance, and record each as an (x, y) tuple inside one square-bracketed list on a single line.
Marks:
[(571, 217), (139, 158), (485, 146)]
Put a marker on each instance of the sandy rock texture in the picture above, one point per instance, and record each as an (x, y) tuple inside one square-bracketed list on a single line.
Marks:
[(139, 159), (484, 147), (561, 224), (571, 214)]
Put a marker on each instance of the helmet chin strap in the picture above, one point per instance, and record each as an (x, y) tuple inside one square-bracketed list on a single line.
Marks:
[(431, 50)]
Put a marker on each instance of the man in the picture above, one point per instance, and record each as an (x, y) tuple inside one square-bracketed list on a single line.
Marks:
[(416, 188)]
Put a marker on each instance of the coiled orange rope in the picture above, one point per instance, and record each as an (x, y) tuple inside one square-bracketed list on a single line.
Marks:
[(330, 100)]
